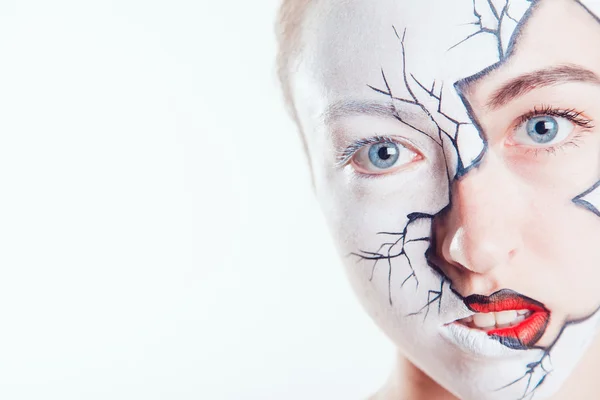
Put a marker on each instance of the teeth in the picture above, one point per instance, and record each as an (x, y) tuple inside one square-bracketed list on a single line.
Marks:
[(484, 320), (502, 319), (505, 317)]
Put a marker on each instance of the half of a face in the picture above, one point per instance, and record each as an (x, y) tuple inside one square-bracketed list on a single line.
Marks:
[(456, 155)]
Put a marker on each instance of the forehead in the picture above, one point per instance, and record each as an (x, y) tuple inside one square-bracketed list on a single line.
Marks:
[(348, 44), (346, 41)]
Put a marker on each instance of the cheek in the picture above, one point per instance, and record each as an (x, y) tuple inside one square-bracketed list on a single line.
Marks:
[(358, 208), (580, 256), (367, 216), (563, 240)]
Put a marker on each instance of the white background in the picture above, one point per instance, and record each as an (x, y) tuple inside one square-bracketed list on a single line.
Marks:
[(158, 234)]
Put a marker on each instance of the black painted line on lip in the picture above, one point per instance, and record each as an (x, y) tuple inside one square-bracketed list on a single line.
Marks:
[(501, 295)]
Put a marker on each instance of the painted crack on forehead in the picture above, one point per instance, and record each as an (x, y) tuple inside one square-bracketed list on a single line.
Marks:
[(485, 43)]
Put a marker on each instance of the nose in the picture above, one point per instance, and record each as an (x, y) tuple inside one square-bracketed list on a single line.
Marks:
[(481, 229)]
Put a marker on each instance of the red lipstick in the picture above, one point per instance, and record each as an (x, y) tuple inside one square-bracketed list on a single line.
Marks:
[(522, 336)]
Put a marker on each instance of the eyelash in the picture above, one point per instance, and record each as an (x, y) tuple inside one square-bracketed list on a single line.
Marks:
[(346, 155), (570, 114)]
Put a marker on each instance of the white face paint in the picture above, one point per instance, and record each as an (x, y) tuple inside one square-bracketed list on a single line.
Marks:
[(401, 107)]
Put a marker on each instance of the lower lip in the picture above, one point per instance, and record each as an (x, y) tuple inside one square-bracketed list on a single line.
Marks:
[(524, 335), (497, 342), (474, 341)]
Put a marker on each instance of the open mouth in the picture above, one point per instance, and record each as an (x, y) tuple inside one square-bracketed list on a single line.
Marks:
[(514, 320)]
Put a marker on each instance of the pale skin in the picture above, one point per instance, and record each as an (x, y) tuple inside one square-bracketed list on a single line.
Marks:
[(511, 222), (407, 382)]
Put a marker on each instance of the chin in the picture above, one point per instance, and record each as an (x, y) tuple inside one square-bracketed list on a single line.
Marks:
[(478, 363)]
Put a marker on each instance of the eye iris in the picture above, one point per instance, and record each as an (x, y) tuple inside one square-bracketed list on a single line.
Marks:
[(384, 155), (542, 129)]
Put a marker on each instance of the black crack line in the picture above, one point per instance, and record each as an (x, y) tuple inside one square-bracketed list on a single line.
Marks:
[(586, 204), (414, 101), (508, 14), (433, 297), (461, 169), (405, 76), (406, 101), (439, 111), (442, 132), (392, 252), (479, 22), (429, 92), (482, 30), (531, 387), (389, 92), (472, 35), (579, 199), (493, 8), (596, 17)]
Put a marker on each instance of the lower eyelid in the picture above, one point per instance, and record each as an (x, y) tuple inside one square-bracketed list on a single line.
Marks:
[(553, 150), (417, 158)]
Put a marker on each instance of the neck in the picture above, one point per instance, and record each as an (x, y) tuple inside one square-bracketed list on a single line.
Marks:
[(408, 382)]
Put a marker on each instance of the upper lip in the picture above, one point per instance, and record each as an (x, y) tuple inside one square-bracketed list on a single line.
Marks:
[(502, 300)]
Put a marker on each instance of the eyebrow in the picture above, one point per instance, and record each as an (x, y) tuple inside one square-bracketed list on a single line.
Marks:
[(523, 84), (349, 108)]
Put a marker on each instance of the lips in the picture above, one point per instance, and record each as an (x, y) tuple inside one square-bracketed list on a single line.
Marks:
[(522, 336)]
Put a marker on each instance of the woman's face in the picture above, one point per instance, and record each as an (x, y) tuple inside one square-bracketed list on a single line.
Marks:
[(455, 149)]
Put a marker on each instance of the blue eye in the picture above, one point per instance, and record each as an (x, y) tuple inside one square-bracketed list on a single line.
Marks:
[(381, 156), (542, 129), (384, 155)]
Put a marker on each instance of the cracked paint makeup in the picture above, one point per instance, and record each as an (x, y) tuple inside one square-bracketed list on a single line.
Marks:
[(455, 152)]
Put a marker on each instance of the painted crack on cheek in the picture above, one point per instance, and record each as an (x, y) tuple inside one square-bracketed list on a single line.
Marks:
[(389, 251), (433, 297), (590, 199), (538, 371), (535, 375)]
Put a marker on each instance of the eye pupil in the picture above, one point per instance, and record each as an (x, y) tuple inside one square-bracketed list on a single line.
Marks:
[(384, 155), (543, 127)]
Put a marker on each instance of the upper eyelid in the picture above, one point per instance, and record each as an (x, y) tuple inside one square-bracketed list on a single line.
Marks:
[(570, 114)]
